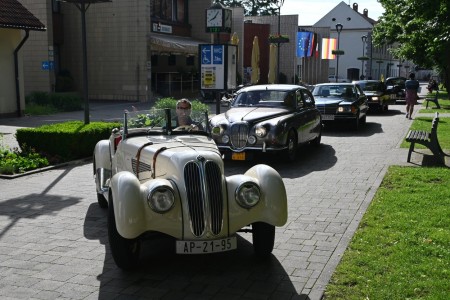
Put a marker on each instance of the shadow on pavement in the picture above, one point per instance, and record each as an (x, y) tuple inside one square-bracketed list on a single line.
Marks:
[(166, 275)]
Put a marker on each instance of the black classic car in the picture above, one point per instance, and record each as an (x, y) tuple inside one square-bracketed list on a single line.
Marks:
[(274, 118), (378, 96), (341, 101), (396, 85)]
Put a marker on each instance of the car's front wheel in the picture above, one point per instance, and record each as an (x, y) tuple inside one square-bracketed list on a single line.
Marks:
[(102, 202), (292, 146), (124, 251), (263, 238)]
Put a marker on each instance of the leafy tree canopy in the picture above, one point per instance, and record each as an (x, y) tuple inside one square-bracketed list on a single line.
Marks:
[(254, 7), (422, 29)]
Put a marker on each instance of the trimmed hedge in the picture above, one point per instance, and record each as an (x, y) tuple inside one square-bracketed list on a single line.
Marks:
[(65, 141)]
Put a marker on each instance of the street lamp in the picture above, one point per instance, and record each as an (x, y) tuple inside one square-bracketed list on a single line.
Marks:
[(279, 3), (338, 29), (363, 39)]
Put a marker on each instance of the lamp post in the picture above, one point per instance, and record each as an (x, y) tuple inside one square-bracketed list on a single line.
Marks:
[(363, 39), (338, 29), (279, 4)]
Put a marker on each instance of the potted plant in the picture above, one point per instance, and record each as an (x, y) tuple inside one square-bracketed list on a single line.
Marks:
[(278, 38)]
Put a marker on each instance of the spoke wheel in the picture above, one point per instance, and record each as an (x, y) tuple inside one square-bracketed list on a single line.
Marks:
[(292, 146)]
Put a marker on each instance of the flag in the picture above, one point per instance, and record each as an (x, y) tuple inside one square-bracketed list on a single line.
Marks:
[(317, 46), (328, 45), (304, 40)]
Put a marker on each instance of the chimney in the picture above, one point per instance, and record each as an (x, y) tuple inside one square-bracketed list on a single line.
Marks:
[(355, 6), (365, 12)]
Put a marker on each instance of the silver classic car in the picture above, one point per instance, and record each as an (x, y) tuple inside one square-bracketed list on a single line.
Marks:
[(273, 118), (157, 179)]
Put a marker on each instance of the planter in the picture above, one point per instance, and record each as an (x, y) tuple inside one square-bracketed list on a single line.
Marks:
[(363, 58), (278, 39), (337, 52)]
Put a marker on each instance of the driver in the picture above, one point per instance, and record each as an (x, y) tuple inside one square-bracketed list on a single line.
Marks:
[(183, 118), (183, 112)]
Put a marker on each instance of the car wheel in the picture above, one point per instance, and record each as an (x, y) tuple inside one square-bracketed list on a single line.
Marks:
[(263, 238), (292, 146), (316, 142), (102, 202), (363, 120), (124, 251), (356, 123)]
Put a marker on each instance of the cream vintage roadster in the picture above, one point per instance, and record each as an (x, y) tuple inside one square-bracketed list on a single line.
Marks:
[(155, 178)]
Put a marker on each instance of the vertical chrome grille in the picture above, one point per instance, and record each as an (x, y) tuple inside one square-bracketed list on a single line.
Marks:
[(205, 203), (239, 135)]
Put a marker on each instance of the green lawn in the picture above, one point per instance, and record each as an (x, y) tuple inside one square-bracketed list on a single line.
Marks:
[(401, 249)]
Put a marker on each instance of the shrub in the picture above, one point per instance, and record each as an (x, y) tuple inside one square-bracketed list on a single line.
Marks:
[(14, 162), (172, 104), (65, 141)]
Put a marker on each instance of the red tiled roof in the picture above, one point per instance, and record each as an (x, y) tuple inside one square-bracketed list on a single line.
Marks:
[(15, 15)]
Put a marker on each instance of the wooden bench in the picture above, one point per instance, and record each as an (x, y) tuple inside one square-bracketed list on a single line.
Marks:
[(428, 139), (433, 99)]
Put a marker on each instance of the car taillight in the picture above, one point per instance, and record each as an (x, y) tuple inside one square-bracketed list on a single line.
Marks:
[(117, 141)]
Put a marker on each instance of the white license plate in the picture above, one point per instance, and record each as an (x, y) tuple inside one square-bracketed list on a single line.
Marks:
[(201, 247), (328, 117)]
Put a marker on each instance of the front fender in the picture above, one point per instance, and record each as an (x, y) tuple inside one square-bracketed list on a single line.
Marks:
[(271, 209), (102, 157), (128, 206)]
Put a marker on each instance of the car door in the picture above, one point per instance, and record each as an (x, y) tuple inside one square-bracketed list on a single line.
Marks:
[(363, 103), (311, 115)]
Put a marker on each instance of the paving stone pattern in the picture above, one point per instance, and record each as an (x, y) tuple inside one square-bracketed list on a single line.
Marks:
[(54, 245)]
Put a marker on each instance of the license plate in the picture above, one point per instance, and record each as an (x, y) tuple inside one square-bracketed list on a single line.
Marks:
[(328, 117), (238, 156), (203, 247)]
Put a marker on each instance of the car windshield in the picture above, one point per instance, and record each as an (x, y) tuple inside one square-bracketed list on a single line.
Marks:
[(157, 120), (371, 86), (396, 81), (336, 91), (264, 98)]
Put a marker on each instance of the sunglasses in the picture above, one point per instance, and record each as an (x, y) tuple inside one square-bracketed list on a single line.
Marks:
[(183, 108)]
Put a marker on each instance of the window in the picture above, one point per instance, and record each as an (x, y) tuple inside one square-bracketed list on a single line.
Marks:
[(170, 10), (172, 60), (190, 60), (154, 60)]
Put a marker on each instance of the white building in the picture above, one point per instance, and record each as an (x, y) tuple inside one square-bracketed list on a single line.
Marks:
[(355, 25)]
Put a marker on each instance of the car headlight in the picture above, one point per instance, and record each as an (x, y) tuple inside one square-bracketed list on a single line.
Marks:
[(375, 98), (248, 194), (225, 139), (260, 131), (217, 130), (161, 199), (347, 109)]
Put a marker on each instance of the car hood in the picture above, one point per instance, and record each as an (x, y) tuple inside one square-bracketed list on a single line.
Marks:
[(253, 114), (331, 101), (164, 156)]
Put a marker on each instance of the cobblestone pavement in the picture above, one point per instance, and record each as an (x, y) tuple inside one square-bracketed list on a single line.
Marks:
[(53, 236)]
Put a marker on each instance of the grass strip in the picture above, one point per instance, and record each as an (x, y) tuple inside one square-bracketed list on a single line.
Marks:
[(401, 249)]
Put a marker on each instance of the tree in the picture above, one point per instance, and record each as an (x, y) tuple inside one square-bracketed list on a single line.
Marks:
[(253, 7), (422, 29)]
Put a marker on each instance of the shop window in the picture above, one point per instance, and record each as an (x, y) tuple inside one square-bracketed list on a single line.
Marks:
[(172, 60), (190, 60), (154, 60), (170, 10)]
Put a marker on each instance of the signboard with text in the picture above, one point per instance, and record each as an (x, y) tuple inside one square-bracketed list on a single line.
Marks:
[(217, 66)]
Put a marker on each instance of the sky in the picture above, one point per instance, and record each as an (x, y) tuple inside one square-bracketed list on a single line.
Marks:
[(311, 11)]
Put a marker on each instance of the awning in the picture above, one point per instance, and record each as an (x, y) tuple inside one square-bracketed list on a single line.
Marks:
[(174, 44)]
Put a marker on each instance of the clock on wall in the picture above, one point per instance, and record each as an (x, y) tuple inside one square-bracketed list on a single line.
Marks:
[(214, 18)]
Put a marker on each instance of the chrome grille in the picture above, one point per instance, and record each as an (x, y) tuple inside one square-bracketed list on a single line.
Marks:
[(327, 109), (205, 204), (239, 135)]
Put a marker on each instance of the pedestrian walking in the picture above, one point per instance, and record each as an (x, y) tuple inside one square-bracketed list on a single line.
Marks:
[(412, 87)]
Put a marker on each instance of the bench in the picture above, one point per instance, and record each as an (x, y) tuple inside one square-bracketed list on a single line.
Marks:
[(428, 139), (433, 99)]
